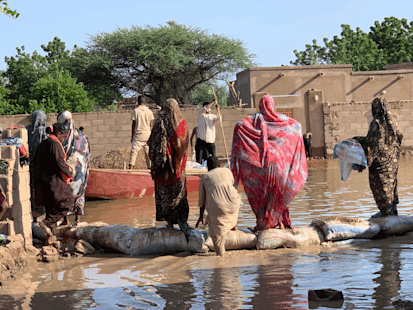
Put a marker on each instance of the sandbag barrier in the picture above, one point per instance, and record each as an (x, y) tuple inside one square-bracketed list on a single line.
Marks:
[(338, 230)]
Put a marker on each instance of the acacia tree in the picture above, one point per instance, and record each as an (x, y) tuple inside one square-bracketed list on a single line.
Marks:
[(169, 61), (387, 43)]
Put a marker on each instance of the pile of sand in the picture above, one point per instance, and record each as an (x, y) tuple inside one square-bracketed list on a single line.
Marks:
[(118, 159)]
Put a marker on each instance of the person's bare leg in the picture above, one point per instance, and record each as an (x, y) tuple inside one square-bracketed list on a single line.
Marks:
[(77, 219), (51, 238), (65, 220), (281, 225)]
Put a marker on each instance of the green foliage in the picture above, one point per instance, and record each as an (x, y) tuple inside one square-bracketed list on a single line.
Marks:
[(59, 91), (169, 61), (35, 82), (203, 93), (94, 70), (389, 42), (4, 8)]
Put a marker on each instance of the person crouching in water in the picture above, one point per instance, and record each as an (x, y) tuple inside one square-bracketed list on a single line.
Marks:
[(219, 197), (52, 175)]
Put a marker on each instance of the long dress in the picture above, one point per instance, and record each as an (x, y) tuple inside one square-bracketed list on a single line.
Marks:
[(51, 177), (37, 133), (382, 147), (168, 145), (77, 147), (268, 157)]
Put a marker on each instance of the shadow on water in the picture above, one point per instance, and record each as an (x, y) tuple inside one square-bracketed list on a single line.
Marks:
[(370, 275)]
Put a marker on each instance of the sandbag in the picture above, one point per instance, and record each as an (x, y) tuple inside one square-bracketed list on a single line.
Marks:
[(114, 237), (236, 240), (276, 238), (394, 225), (158, 240), (337, 228), (86, 232), (38, 232), (196, 241)]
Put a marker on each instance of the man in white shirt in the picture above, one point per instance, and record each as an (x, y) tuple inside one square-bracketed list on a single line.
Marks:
[(142, 118), (205, 144)]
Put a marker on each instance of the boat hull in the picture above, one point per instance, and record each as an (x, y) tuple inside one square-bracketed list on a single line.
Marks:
[(111, 184)]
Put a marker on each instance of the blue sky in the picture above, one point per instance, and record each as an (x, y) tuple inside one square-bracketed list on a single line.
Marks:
[(269, 29)]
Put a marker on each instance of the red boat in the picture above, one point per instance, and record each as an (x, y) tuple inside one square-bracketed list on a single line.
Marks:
[(119, 184)]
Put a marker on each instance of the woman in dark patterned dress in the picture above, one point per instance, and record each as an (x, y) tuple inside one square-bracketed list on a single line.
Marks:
[(382, 148), (168, 145)]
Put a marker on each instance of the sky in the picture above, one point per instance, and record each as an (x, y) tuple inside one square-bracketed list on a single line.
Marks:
[(271, 30)]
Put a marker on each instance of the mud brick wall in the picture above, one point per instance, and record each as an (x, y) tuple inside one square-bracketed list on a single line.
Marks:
[(111, 130), (344, 120), (15, 181)]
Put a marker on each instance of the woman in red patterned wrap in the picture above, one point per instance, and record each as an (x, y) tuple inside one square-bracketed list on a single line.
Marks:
[(168, 145), (268, 157)]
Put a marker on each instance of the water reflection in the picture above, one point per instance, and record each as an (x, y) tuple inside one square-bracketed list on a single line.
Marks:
[(370, 275)]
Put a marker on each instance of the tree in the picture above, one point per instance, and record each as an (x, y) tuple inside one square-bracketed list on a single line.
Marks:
[(203, 93), (387, 43), (169, 61), (4, 8), (94, 70), (395, 38), (58, 91), (40, 82)]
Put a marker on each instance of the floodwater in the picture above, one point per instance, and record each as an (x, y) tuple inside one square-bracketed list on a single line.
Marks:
[(371, 275)]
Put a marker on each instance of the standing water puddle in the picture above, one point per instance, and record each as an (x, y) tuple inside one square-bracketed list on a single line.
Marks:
[(370, 275)]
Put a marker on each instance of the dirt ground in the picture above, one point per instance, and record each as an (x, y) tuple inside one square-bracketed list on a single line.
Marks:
[(118, 159)]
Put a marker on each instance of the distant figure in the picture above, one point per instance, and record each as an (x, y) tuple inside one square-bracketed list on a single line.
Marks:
[(307, 144), (205, 144), (77, 147), (52, 175), (168, 146), (82, 129), (193, 135), (220, 198), (142, 118), (268, 156), (382, 147)]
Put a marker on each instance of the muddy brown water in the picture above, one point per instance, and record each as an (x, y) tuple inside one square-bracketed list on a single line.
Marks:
[(371, 275)]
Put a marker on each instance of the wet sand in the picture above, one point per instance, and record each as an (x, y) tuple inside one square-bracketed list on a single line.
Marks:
[(371, 275)]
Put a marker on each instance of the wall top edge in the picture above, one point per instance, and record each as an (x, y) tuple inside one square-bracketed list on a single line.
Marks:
[(383, 72), (296, 68), (365, 102), (122, 112)]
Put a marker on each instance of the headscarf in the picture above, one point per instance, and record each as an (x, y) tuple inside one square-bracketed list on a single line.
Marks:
[(37, 130), (273, 142), (166, 139), (384, 131), (65, 118)]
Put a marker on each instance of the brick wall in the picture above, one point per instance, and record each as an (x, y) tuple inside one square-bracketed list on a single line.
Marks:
[(15, 181), (344, 120), (111, 130)]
